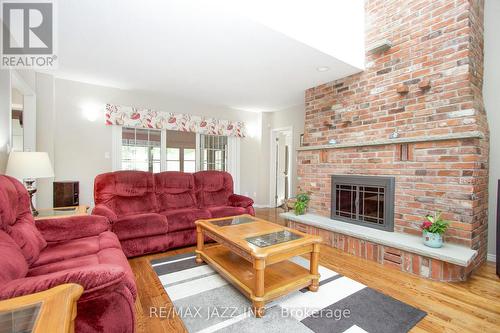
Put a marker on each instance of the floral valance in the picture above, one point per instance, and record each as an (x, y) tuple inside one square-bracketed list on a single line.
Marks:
[(148, 118)]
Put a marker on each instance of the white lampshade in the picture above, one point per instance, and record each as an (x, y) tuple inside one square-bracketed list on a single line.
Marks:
[(23, 165)]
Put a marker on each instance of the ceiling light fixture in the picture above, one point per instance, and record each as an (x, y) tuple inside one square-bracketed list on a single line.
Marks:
[(323, 68)]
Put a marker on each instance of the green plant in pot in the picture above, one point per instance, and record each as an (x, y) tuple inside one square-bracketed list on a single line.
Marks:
[(433, 229), (302, 202)]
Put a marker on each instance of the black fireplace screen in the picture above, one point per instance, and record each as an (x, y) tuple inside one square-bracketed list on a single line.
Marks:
[(364, 200)]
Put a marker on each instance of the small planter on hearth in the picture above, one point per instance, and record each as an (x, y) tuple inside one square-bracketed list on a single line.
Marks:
[(433, 230), (302, 202), (432, 239)]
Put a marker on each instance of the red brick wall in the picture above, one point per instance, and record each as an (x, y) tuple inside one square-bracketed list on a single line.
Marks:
[(440, 41)]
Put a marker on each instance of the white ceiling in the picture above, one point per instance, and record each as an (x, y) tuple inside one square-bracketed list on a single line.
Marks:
[(209, 51)]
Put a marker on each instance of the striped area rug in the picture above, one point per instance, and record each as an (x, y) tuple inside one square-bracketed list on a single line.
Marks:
[(206, 302)]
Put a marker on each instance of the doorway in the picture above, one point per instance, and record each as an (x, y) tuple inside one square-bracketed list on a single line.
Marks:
[(281, 165)]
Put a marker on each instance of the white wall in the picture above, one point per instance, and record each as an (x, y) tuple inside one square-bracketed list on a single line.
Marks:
[(45, 127), (80, 145), (492, 102)]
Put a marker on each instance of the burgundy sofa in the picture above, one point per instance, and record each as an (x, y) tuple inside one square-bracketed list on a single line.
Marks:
[(80, 249), (156, 212)]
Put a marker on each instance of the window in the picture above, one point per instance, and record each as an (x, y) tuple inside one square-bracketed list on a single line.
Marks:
[(181, 151), (165, 150), (173, 159), (141, 149), (189, 160), (214, 152), (364, 200)]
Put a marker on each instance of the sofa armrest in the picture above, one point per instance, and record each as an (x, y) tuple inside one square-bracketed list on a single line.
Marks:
[(105, 211), (72, 227), (91, 278), (237, 200)]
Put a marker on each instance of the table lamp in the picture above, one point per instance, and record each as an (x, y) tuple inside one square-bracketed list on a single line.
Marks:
[(29, 166)]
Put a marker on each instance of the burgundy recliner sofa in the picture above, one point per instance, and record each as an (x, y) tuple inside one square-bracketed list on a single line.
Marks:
[(38, 256), (156, 212)]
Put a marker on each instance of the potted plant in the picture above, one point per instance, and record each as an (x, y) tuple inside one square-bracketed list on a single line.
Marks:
[(433, 230), (301, 202)]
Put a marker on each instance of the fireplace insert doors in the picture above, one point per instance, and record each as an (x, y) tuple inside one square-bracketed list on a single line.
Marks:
[(363, 200)]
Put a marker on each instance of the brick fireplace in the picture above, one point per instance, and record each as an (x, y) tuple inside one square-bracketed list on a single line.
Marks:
[(415, 114)]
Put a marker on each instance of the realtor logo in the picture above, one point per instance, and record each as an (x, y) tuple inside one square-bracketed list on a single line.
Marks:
[(28, 35)]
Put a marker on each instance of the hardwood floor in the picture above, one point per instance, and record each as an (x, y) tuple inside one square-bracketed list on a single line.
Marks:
[(472, 306)]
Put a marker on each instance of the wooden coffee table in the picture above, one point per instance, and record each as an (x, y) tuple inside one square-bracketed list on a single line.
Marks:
[(257, 264)]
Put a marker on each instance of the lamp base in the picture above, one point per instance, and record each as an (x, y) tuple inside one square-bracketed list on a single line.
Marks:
[(31, 190)]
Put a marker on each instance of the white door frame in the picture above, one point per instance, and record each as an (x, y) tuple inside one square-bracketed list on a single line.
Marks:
[(272, 161)]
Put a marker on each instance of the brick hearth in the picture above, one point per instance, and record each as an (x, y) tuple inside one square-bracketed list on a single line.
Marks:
[(392, 258), (398, 251), (437, 54)]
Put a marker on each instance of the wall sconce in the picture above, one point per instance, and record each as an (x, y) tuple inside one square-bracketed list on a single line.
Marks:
[(91, 112), (252, 130)]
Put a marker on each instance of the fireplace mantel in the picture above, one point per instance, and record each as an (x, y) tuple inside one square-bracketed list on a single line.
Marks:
[(432, 138)]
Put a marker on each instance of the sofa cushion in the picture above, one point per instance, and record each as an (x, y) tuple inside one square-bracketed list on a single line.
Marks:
[(140, 225), (77, 248), (213, 188), (183, 219), (28, 238), (174, 190), (140, 246), (13, 265), (126, 192), (16, 218), (181, 238), (111, 256), (56, 230), (91, 278), (222, 211)]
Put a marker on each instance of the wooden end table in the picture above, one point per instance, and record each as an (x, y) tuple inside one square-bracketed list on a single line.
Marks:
[(253, 255), (59, 212), (52, 310)]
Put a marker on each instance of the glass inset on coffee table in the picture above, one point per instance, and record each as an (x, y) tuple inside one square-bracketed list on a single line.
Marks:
[(233, 221), (273, 238)]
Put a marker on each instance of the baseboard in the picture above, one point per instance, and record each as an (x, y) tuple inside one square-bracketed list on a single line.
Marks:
[(262, 206), (491, 257)]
